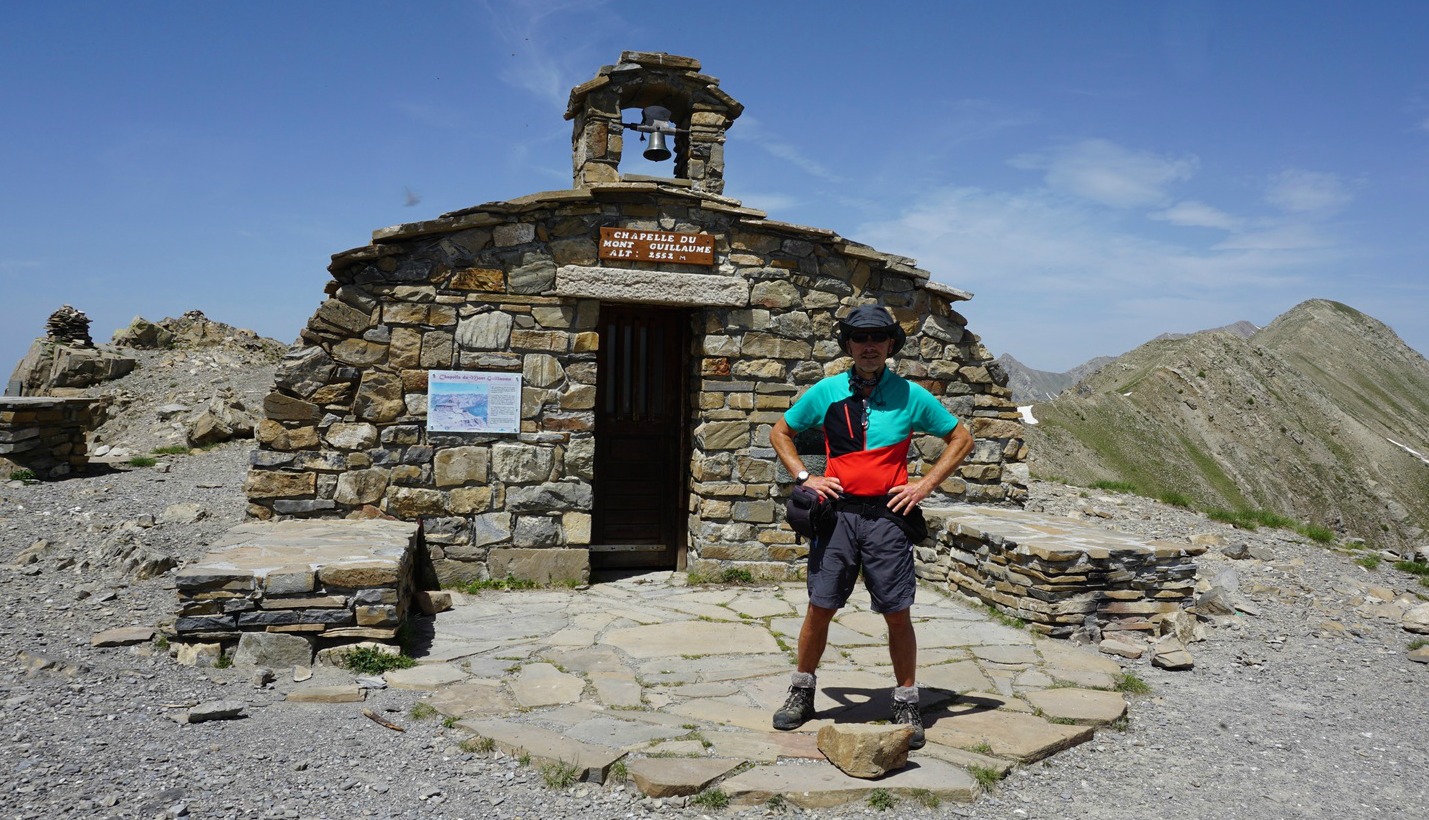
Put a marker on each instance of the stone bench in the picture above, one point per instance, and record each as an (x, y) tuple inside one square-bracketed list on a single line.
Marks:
[(332, 581), (1056, 573), (43, 434)]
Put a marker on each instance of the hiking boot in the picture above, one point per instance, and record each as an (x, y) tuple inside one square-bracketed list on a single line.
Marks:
[(907, 714), (797, 709)]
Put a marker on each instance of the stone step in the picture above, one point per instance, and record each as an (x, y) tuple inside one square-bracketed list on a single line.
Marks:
[(545, 747), (817, 786), (678, 777), (1014, 735)]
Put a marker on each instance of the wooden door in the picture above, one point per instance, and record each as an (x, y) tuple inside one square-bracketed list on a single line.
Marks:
[(640, 449)]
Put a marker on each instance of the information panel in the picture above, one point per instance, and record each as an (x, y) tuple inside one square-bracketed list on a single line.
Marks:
[(463, 401), (656, 246)]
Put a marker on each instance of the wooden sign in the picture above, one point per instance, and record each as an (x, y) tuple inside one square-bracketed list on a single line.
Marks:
[(656, 246)]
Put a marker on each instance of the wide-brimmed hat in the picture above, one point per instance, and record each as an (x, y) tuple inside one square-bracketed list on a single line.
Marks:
[(872, 317)]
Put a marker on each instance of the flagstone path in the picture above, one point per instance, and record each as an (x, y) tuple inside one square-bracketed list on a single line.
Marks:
[(674, 686)]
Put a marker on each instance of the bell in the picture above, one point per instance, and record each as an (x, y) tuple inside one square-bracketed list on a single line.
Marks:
[(657, 152)]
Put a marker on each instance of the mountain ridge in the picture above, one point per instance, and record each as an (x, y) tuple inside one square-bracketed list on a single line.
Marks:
[(1318, 416)]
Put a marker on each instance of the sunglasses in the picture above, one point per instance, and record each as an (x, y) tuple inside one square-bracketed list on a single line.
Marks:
[(863, 338)]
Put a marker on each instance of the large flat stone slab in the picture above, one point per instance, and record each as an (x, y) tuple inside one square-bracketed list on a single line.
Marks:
[(671, 640), (622, 734), (956, 677), (766, 746), (327, 694), (426, 677), (258, 547), (816, 786), (473, 698), (1085, 706), (546, 747), (542, 684), (675, 777), (1015, 735)]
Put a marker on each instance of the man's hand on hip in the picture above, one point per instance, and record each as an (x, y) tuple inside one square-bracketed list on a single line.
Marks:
[(903, 499), (826, 486)]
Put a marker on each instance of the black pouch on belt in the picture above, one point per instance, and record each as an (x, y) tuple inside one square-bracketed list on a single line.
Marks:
[(914, 525), (805, 511)]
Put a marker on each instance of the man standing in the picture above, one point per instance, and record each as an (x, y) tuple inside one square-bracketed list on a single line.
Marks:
[(868, 416)]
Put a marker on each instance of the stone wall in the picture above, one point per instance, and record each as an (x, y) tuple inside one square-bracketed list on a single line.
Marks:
[(518, 287), (1061, 577), (43, 435)]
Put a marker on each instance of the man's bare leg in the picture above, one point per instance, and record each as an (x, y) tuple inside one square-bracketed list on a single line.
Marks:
[(902, 646), (814, 637), (903, 650)]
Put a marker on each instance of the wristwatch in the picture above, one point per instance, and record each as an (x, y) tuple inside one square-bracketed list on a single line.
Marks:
[(801, 477)]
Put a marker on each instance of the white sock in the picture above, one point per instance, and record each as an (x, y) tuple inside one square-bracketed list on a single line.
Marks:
[(905, 694), (804, 680)]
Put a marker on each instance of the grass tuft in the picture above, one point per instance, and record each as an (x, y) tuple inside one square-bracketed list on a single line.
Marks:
[(501, 584), (1413, 567), (1368, 561), (1176, 499), (1114, 486), (484, 745), (142, 461), (171, 450), (421, 710), (1129, 683), (986, 776), (925, 798), (560, 775), (881, 799), (710, 799), (619, 772), (369, 660)]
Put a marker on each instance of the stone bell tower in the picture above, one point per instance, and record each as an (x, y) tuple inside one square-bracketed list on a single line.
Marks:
[(699, 112)]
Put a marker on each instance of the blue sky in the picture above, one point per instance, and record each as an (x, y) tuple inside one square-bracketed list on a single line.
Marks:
[(1095, 173)]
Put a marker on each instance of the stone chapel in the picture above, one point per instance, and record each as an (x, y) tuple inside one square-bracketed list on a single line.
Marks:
[(587, 378)]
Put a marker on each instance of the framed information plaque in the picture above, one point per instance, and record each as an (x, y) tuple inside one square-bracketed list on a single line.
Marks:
[(463, 401)]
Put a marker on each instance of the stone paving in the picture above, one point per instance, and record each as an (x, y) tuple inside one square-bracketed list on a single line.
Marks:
[(673, 686)]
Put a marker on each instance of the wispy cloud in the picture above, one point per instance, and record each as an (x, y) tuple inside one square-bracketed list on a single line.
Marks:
[(965, 121), (21, 267), (1107, 173), (542, 61), (752, 129), (1302, 191), (1193, 214), (1037, 241)]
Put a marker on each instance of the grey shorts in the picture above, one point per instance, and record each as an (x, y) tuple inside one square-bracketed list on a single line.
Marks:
[(872, 543)]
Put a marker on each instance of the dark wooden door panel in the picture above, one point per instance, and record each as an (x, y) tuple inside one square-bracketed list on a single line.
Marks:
[(640, 418)]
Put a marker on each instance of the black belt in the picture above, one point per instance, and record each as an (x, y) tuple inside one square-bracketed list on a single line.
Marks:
[(865, 505)]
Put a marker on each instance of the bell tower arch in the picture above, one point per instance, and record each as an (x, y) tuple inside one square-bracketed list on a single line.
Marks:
[(698, 114)]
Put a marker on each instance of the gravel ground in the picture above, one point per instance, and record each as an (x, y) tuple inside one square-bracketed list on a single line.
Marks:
[(1309, 708)]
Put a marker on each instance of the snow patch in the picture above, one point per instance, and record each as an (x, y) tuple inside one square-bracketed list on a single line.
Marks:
[(1026, 411), (1406, 448)]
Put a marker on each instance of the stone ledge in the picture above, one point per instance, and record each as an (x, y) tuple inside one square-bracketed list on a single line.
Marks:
[(1054, 572), (333, 579)]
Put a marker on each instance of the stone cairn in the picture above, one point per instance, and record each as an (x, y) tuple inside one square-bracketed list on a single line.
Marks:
[(69, 326)]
